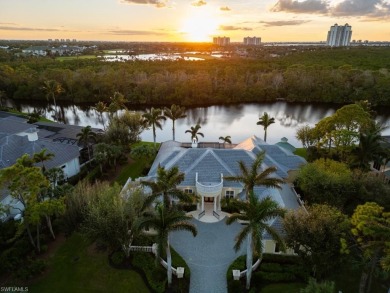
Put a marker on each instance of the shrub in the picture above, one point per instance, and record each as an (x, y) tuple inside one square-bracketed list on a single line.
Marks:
[(118, 257), (273, 277), (31, 269), (155, 275), (271, 267)]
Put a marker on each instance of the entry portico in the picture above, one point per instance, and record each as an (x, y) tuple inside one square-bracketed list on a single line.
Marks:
[(211, 191)]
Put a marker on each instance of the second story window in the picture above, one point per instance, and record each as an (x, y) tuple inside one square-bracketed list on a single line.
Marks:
[(188, 190)]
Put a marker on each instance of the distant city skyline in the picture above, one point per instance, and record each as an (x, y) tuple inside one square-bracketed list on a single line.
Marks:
[(193, 20)]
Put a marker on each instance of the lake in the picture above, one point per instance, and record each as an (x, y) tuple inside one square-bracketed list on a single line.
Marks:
[(238, 121)]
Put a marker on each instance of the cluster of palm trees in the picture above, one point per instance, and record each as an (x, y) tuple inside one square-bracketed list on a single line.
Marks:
[(166, 217), (256, 212)]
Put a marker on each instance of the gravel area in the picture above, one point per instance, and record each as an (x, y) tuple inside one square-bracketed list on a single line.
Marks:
[(208, 255)]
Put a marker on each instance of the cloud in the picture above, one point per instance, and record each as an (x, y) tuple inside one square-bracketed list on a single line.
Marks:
[(307, 6), (369, 8), (18, 28), (284, 22), (233, 28), (156, 3), (199, 3), (224, 8), (137, 33)]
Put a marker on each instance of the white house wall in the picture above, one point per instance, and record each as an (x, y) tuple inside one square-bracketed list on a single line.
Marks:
[(71, 168)]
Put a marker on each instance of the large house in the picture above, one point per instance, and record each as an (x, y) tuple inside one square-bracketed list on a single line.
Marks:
[(205, 169), (17, 138)]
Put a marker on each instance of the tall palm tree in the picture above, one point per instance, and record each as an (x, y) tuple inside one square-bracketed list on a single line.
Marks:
[(174, 113), (195, 132), (257, 214), (85, 137), (164, 221), (101, 107), (266, 121), (166, 186), (226, 139), (42, 156), (252, 177), (52, 88), (154, 118)]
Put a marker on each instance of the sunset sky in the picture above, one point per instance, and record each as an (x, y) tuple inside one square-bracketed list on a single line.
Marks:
[(197, 20)]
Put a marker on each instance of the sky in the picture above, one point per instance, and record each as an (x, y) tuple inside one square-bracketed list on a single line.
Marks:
[(193, 20)]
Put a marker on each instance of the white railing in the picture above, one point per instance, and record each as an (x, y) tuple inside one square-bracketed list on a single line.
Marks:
[(237, 274), (210, 189), (179, 272)]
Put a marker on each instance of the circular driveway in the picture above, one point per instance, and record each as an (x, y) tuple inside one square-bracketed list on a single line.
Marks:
[(209, 254)]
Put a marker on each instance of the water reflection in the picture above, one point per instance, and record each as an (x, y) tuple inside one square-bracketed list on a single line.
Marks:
[(238, 121)]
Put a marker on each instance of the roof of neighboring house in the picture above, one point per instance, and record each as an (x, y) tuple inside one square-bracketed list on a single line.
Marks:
[(14, 146), (12, 125), (62, 133), (210, 163)]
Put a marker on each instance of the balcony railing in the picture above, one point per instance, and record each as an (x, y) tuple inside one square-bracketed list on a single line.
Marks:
[(209, 189)]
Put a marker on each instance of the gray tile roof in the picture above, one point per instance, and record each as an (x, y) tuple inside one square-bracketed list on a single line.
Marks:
[(210, 163), (10, 125), (63, 133), (13, 147)]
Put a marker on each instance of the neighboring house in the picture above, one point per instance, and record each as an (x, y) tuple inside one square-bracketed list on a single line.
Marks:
[(37, 50), (17, 138), (205, 169)]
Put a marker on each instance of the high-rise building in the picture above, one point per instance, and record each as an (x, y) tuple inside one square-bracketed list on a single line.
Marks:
[(252, 41), (339, 36), (221, 41)]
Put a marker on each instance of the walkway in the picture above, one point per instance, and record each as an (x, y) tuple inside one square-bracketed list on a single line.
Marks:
[(208, 216), (208, 255)]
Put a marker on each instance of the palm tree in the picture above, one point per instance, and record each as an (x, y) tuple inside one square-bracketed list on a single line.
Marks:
[(370, 148), (165, 186), (41, 157), (52, 88), (164, 221), (266, 121), (195, 132), (257, 214), (85, 137), (251, 177), (118, 102), (154, 118), (101, 107), (174, 113), (226, 139)]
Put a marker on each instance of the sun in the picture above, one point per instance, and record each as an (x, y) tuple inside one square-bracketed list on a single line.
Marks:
[(199, 27)]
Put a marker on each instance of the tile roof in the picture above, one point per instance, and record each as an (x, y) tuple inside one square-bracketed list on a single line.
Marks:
[(16, 146), (210, 163)]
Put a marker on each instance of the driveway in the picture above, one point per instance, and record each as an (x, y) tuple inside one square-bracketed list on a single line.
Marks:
[(208, 255)]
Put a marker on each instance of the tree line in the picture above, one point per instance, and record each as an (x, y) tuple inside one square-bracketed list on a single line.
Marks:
[(207, 82)]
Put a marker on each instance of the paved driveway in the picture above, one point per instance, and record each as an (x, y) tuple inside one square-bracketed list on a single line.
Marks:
[(208, 255)]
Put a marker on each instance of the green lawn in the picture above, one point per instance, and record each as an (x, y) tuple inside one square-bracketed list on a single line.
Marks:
[(67, 58), (302, 152), (76, 267), (135, 169), (25, 115)]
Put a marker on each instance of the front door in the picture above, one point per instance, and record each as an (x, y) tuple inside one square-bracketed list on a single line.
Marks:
[(209, 199)]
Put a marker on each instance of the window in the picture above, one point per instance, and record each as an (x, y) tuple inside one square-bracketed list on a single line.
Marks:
[(229, 193), (188, 190)]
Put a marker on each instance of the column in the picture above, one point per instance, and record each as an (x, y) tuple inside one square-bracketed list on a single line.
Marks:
[(202, 204), (215, 203)]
